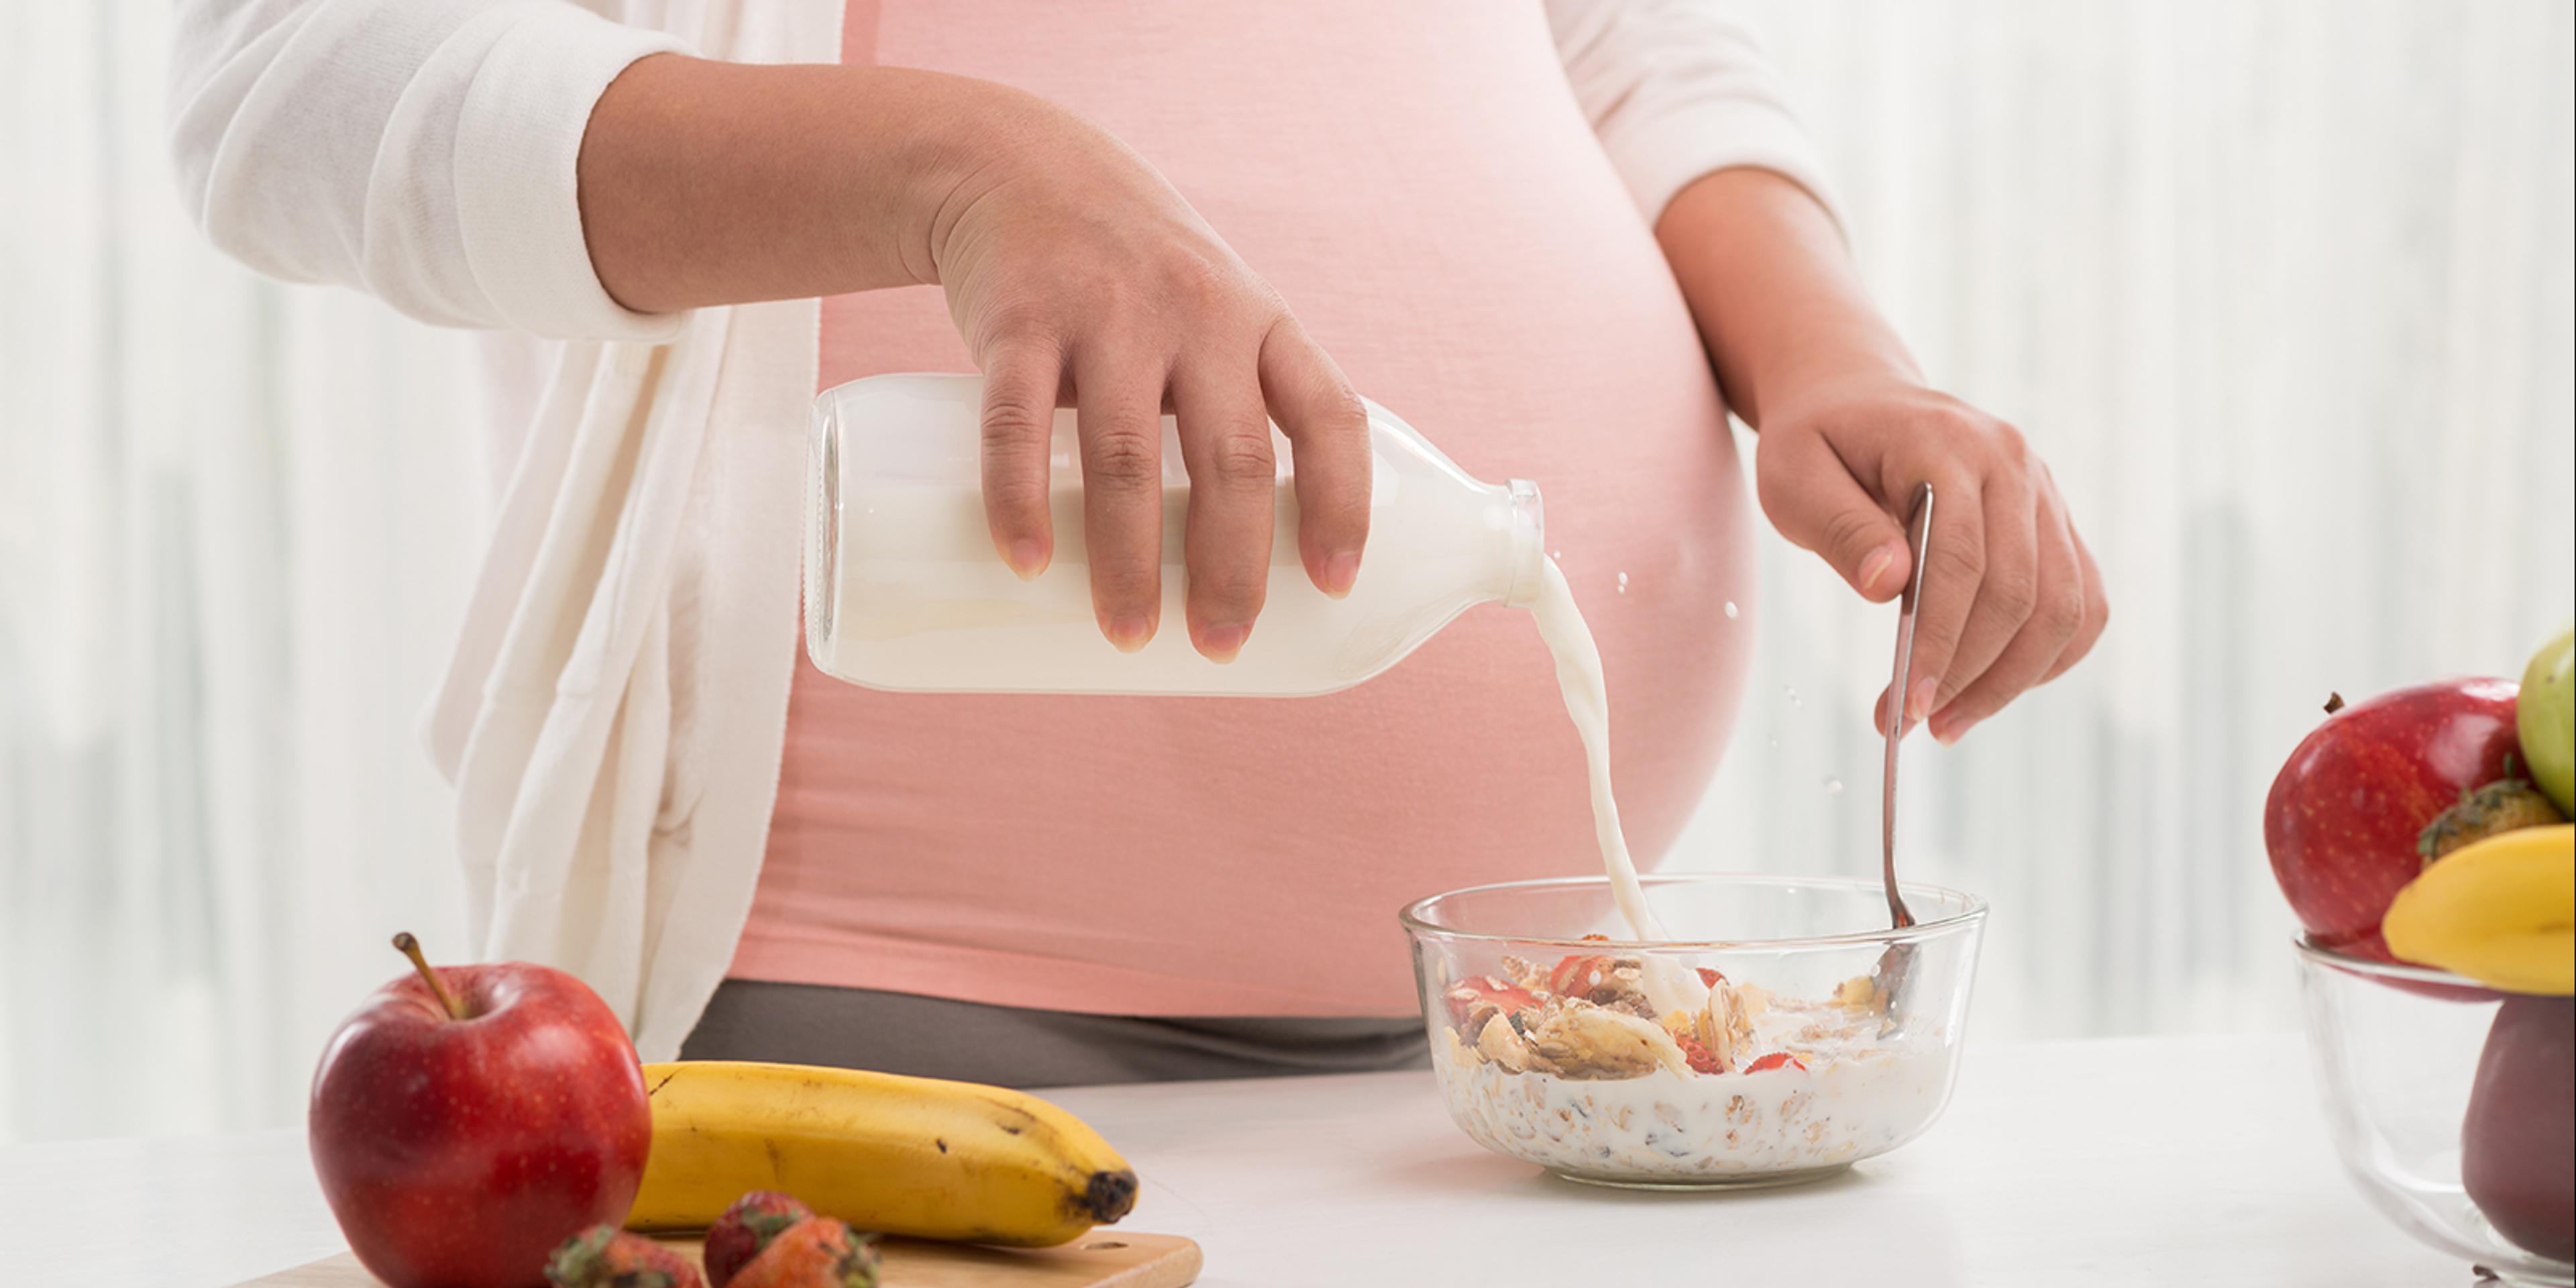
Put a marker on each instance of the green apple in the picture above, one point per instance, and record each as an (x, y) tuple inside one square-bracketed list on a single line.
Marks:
[(2545, 718)]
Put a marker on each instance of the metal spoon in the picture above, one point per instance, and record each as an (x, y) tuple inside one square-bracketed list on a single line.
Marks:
[(1899, 958)]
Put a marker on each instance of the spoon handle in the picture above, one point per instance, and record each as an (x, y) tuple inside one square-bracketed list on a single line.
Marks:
[(1918, 536)]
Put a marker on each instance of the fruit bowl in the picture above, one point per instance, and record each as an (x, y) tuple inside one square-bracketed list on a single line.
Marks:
[(2450, 1105), (1766, 1047)]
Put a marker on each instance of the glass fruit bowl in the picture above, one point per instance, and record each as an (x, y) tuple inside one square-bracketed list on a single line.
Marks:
[(2451, 1105), (1788, 1035)]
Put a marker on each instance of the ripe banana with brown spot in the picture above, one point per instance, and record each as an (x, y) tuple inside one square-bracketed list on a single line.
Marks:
[(908, 1156)]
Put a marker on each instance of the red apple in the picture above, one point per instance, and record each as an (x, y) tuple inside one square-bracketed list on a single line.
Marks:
[(2344, 816), (467, 1120)]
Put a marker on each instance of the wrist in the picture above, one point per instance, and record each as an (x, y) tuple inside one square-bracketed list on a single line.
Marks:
[(939, 143), (1822, 374)]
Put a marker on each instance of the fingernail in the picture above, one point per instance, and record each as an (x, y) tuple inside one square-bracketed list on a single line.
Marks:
[(1028, 559), (1948, 732), (1130, 633), (1341, 572), (1918, 703), (1874, 568), (1223, 642)]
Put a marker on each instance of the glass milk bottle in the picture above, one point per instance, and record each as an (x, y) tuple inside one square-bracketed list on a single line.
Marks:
[(904, 591)]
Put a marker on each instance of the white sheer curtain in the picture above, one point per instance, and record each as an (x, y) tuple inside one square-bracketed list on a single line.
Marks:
[(2282, 289), (236, 526)]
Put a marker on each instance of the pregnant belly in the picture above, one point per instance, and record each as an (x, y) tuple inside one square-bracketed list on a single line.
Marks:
[(1417, 182)]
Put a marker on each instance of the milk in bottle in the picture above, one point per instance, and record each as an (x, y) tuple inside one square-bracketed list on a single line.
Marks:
[(903, 589)]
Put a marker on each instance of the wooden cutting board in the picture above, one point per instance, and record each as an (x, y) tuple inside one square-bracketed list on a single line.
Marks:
[(1102, 1259)]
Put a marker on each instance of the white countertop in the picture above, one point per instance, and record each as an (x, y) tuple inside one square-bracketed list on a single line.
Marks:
[(2136, 1161)]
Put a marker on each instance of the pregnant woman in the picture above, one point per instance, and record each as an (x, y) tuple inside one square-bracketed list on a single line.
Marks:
[(1549, 235)]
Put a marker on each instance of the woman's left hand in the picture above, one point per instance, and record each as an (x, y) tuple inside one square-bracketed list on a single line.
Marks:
[(2011, 597)]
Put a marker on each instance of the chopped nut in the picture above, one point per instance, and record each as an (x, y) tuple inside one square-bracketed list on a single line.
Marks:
[(1479, 1010), (1499, 1043)]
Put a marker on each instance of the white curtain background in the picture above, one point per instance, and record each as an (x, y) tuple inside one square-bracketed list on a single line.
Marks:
[(2282, 290), (237, 522)]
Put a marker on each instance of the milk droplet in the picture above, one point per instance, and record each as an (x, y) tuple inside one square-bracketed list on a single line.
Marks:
[(1833, 787), (1623, 583), (1556, 554), (1792, 695), (1730, 610)]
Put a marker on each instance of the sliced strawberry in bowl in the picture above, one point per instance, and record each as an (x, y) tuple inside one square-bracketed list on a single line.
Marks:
[(1700, 1060), (1578, 974), (1775, 1060)]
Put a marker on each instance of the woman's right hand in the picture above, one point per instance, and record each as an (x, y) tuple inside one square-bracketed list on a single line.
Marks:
[(1073, 270)]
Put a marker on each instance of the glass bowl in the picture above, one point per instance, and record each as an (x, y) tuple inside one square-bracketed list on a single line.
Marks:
[(1761, 1048), (2432, 1081)]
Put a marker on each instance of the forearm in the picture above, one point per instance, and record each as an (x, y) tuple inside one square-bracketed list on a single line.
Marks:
[(721, 183), (1778, 304)]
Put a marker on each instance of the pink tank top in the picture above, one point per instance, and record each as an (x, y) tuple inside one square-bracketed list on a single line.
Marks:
[(1418, 182)]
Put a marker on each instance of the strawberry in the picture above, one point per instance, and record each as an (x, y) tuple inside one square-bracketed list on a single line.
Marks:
[(746, 1228), (1576, 975), (1775, 1060), (1700, 1060), (604, 1256), (1708, 976), (1463, 996), (817, 1252)]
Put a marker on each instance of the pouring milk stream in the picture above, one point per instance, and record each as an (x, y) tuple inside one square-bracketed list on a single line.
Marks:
[(903, 590)]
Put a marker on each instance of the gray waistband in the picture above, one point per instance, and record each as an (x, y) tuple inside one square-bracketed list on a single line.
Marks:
[(931, 1037)]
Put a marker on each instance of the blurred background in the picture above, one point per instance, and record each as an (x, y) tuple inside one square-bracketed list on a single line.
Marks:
[(2284, 291)]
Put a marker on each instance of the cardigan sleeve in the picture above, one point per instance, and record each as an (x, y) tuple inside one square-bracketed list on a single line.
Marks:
[(422, 151), (1678, 89)]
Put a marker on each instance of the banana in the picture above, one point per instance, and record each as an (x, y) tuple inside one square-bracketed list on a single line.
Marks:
[(2501, 911), (909, 1156)]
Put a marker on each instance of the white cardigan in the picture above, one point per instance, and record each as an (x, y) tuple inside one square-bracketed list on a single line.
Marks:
[(613, 713)]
